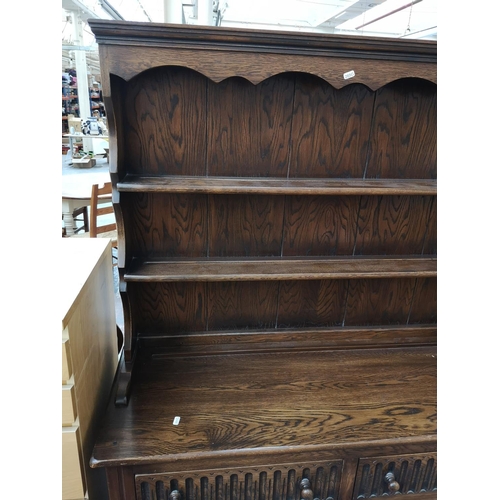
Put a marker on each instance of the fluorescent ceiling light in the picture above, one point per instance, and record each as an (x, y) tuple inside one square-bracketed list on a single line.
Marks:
[(285, 12), (89, 8), (131, 11), (376, 13), (430, 32)]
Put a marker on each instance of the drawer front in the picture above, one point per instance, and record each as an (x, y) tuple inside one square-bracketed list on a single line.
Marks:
[(73, 479), (408, 474), (68, 405), (66, 361), (280, 482)]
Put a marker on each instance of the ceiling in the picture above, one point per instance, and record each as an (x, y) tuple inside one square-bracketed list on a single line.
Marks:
[(385, 18), (390, 18)]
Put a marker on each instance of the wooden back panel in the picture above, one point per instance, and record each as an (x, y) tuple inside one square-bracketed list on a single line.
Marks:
[(178, 122), (292, 125)]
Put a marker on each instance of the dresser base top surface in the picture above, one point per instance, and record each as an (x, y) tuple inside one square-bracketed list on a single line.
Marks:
[(184, 406)]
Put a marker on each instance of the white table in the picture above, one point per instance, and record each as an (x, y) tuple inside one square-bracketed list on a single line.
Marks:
[(72, 138)]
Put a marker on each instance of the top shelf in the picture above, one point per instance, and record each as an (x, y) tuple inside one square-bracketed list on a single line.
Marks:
[(273, 185)]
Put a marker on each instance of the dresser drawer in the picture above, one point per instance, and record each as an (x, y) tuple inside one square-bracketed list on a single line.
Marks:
[(280, 482), (73, 478), (396, 475), (68, 405), (66, 361)]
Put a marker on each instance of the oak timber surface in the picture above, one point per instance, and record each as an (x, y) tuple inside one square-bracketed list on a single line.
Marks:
[(321, 186), (241, 402), (283, 268)]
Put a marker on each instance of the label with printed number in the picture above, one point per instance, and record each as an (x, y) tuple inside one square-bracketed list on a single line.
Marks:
[(349, 74)]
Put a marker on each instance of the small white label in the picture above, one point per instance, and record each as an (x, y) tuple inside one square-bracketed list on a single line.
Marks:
[(176, 420), (349, 74)]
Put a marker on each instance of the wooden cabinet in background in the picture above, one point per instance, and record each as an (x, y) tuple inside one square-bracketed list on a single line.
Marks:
[(275, 195), (89, 360)]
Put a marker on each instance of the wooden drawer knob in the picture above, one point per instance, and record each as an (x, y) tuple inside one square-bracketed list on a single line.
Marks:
[(174, 495), (306, 492), (390, 479)]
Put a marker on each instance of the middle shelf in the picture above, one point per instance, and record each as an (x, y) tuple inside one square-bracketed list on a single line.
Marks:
[(275, 185), (283, 268)]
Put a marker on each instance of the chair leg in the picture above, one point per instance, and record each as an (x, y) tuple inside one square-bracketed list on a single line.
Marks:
[(83, 211)]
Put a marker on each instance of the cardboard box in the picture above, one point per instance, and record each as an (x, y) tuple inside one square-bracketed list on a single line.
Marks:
[(84, 162)]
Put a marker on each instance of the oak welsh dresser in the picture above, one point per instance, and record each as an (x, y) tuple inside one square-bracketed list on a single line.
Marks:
[(276, 201)]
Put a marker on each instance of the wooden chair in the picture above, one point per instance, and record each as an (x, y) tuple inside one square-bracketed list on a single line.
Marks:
[(98, 208)]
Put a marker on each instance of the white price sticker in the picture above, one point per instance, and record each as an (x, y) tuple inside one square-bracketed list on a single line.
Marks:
[(349, 74), (176, 420)]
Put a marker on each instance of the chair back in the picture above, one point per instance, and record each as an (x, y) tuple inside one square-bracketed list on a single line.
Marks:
[(99, 207)]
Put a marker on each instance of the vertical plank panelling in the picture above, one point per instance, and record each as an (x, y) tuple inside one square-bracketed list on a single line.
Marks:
[(424, 305), (165, 129), (246, 225), (430, 246), (311, 303), (163, 225), (392, 225), (378, 301), (249, 127), (168, 307), (330, 129), (320, 225), (245, 304), (404, 131)]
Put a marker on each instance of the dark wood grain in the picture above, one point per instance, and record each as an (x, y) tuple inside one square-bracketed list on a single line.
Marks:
[(116, 156), (165, 127), (269, 186), (259, 54), (404, 131), (242, 483), (311, 303), (411, 472), (165, 225), (320, 225), (430, 245), (169, 307), (331, 129), (244, 402), (120, 484), (424, 305), (242, 305), (392, 225), (277, 259), (379, 302), (249, 127), (245, 225), (286, 339), (250, 40), (286, 268)]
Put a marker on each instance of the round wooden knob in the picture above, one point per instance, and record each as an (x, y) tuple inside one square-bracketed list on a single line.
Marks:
[(175, 495), (305, 490), (390, 479)]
